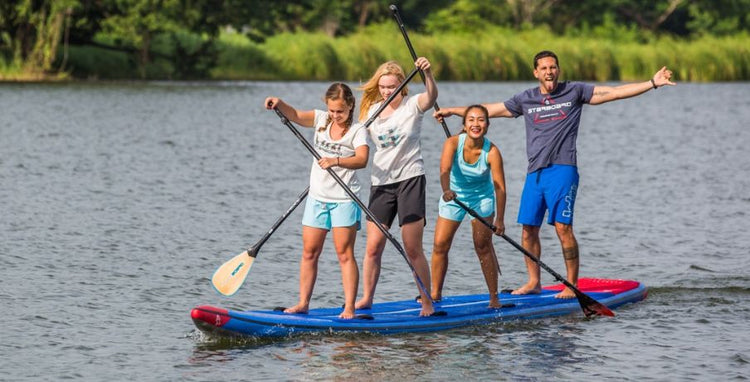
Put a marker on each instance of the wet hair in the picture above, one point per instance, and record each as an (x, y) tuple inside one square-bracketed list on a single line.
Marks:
[(371, 89), (338, 91), (543, 54), (480, 107)]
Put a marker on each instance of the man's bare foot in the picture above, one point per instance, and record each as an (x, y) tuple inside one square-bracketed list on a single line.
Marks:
[(299, 308), (528, 289), (363, 304), (566, 293)]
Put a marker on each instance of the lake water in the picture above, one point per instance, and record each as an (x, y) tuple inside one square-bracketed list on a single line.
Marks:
[(120, 200)]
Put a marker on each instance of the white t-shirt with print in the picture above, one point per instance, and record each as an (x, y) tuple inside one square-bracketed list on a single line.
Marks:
[(323, 187), (396, 139)]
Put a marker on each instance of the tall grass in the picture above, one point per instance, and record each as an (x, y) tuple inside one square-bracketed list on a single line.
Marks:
[(13, 70), (489, 54), (494, 54), (241, 59)]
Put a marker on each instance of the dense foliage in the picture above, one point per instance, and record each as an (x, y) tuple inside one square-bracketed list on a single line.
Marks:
[(206, 39)]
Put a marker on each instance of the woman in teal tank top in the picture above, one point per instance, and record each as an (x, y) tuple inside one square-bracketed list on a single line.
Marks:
[(471, 170)]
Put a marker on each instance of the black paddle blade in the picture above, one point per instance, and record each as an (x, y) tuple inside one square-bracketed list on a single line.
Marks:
[(592, 307)]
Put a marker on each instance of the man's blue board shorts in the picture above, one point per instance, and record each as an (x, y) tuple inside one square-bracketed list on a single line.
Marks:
[(552, 188)]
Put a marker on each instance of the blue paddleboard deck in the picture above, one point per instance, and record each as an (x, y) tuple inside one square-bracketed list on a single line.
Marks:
[(403, 316)]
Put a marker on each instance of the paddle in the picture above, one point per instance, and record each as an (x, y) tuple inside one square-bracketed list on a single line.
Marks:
[(589, 306), (400, 23), (230, 275), (349, 192)]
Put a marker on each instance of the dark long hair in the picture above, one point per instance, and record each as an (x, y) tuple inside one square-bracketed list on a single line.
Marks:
[(338, 91), (480, 107)]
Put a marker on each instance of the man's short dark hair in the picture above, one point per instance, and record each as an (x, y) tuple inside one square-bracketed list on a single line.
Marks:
[(543, 54)]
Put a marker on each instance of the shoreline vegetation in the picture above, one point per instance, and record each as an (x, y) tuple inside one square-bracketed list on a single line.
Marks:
[(493, 54)]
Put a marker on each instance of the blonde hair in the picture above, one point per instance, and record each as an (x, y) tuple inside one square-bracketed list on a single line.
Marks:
[(338, 91), (371, 90)]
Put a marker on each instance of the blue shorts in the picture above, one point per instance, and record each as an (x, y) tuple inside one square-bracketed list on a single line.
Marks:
[(328, 215), (484, 206), (552, 188)]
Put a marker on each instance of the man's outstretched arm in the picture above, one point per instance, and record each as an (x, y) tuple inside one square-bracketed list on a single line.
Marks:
[(603, 94)]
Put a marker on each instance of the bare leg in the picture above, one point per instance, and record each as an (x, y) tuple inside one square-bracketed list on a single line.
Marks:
[(487, 258), (343, 240), (530, 241), (371, 267), (412, 236), (569, 246), (312, 246), (445, 230)]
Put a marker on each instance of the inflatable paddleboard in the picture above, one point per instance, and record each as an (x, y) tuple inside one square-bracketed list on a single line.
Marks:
[(403, 316)]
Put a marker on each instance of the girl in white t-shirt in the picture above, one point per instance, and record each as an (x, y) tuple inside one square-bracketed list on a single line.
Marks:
[(342, 145), (398, 183)]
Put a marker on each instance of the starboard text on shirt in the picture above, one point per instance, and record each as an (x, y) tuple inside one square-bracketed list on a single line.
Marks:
[(552, 122)]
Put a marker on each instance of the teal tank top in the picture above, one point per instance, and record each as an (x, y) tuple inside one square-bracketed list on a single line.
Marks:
[(471, 180)]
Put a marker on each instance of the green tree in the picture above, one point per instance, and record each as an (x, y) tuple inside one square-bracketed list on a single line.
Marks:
[(718, 17), (262, 19), (30, 32), (136, 23), (647, 14), (468, 15)]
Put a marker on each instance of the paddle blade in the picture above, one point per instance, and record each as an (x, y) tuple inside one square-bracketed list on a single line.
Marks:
[(230, 275), (592, 307)]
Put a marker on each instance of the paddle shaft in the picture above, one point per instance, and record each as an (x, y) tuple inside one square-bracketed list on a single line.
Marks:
[(400, 23), (588, 304), (348, 191), (253, 250)]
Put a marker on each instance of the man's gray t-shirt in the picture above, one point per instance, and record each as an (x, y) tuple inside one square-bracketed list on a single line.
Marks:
[(551, 122)]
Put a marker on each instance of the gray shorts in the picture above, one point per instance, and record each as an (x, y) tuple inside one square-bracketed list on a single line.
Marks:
[(405, 198)]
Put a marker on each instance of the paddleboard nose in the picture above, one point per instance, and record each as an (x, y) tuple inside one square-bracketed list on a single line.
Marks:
[(206, 314)]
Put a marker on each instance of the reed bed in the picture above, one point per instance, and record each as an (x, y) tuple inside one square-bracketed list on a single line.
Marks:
[(493, 54), (490, 54)]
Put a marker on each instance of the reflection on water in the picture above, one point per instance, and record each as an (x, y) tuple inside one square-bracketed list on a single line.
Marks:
[(507, 350)]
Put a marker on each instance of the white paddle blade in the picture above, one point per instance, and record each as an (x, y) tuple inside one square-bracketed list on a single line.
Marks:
[(230, 275)]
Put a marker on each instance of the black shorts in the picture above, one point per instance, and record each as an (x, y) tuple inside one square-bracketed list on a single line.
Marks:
[(405, 198)]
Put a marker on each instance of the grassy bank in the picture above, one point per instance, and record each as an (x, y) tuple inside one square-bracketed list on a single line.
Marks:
[(16, 72), (493, 54)]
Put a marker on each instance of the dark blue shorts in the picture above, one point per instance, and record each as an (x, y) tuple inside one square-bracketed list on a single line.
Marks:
[(552, 188)]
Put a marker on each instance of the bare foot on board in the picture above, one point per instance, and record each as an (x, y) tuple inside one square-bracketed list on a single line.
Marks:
[(347, 314), (566, 293), (427, 310), (363, 304), (528, 289), (495, 303), (299, 308)]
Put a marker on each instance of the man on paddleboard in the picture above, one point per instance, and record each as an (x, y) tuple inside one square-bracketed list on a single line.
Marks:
[(552, 114)]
